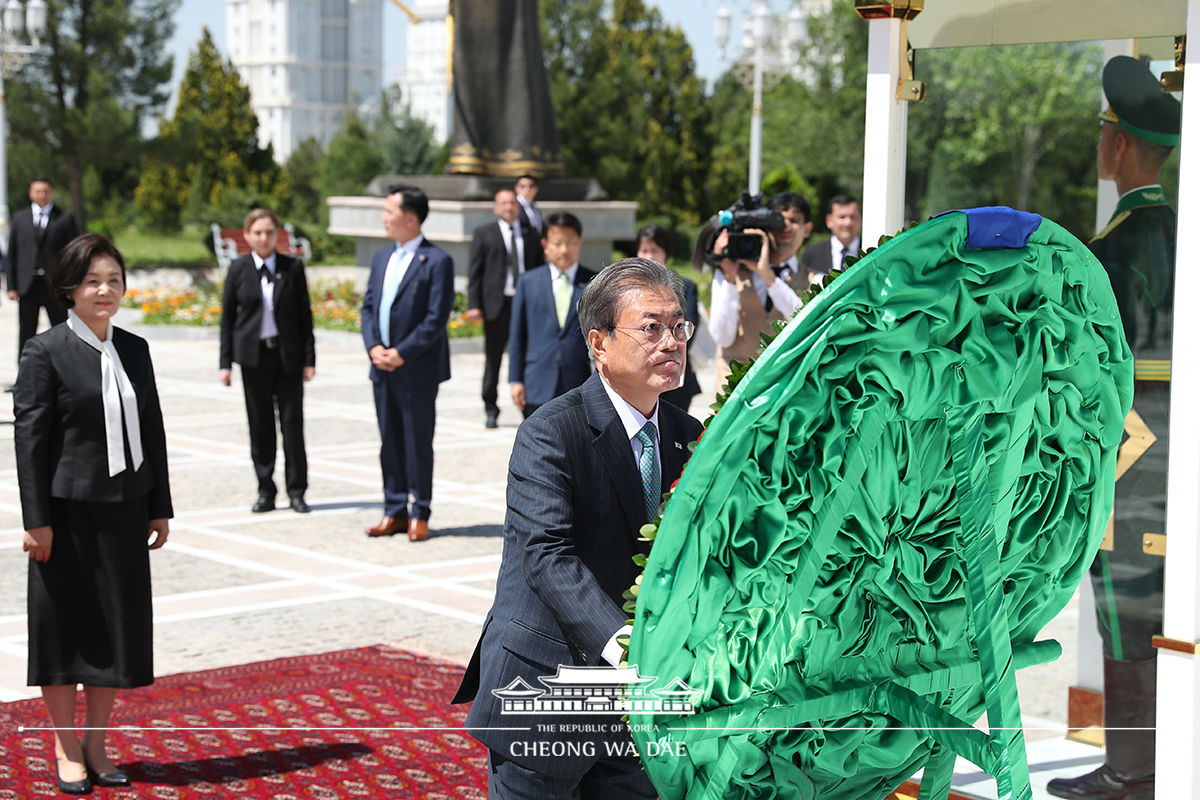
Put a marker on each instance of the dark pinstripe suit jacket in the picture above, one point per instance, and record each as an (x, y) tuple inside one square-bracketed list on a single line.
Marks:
[(574, 508)]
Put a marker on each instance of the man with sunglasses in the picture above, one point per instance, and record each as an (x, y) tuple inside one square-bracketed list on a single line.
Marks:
[(587, 471)]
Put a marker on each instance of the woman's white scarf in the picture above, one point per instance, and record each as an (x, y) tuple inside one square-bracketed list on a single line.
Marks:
[(117, 392)]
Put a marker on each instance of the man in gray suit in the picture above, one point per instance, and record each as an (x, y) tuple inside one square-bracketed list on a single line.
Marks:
[(587, 470), (38, 233)]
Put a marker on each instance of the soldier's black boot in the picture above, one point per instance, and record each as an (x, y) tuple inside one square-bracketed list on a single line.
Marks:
[(1128, 771)]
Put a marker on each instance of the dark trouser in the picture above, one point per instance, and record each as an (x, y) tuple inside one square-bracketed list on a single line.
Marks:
[(608, 779), (1128, 584), (495, 339), (266, 387), (406, 417), (35, 298)]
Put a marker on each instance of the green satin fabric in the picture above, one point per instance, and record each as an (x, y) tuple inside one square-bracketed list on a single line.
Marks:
[(937, 412)]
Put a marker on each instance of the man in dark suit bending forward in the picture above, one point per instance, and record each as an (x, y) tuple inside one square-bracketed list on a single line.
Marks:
[(587, 471), (410, 292)]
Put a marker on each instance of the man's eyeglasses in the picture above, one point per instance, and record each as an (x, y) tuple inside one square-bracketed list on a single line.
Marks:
[(653, 331)]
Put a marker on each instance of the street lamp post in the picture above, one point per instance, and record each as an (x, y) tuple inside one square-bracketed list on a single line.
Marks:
[(14, 54), (765, 53)]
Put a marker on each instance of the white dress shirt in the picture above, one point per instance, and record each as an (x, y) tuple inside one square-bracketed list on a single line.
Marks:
[(269, 328), (41, 215), (512, 237), (723, 316), (835, 250), (633, 422)]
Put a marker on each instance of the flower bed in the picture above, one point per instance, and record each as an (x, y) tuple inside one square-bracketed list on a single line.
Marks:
[(335, 306)]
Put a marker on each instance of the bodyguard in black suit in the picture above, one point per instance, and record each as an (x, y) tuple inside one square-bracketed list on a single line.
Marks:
[(410, 292), (526, 188), (844, 220), (267, 327), (587, 471), (501, 252), (38, 234)]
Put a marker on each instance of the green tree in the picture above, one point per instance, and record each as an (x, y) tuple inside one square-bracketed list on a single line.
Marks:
[(1011, 126), (303, 170), (210, 147), (406, 141), (629, 107), (812, 125), (81, 103), (352, 159)]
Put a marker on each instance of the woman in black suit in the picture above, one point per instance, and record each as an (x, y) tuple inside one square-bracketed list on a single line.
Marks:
[(93, 480), (654, 243), (267, 327)]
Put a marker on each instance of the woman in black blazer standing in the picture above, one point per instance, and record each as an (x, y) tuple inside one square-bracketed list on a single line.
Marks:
[(94, 490), (267, 327)]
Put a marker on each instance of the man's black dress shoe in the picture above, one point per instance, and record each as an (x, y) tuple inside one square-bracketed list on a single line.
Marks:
[(491, 419), (72, 787), (263, 504), (1103, 784), (298, 505)]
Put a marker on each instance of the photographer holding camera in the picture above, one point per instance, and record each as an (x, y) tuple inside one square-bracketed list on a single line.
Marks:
[(752, 250)]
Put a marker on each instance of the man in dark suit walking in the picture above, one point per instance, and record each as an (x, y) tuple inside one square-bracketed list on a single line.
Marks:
[(410, 292), (844, 220), (547, 354), (586, 472), (267, 327), (501, 251), (37, 234)]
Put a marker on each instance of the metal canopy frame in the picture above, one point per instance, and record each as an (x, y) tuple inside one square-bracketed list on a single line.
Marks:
[(957, 23)]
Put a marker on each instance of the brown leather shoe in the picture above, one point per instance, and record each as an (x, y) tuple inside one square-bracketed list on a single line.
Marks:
[(388, 526), (418, 530)]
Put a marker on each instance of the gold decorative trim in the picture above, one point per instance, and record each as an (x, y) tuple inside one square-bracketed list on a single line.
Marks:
[(1154, 544), (1139, 441), (1175, 645), (1152, 369)]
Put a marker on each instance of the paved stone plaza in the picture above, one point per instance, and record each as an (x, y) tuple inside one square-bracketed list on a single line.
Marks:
[(232, 587)]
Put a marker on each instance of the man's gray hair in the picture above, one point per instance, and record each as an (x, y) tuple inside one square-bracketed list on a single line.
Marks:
[(602, 299)]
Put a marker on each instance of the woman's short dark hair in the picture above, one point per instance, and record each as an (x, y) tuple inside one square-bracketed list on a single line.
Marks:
[(657, 234), (69, 269)]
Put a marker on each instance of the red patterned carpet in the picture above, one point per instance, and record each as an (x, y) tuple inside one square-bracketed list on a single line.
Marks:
[(311, 728)]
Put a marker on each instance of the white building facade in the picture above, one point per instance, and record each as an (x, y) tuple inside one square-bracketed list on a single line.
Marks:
[(306, 62), (425, 77)]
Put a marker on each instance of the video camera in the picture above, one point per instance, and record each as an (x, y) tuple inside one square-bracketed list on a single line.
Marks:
[(749, 212)]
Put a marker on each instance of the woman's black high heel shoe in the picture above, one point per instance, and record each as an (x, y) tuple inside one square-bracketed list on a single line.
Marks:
[(110, 779), (72, 787)]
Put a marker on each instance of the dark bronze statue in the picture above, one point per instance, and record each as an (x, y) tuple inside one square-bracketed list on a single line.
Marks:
[(503, 119)]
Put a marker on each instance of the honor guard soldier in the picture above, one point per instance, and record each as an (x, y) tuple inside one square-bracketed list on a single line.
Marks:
[(1137, 249)]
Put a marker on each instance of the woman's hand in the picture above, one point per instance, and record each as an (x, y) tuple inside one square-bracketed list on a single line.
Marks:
[(307, 373), (159, 528), (37, 541), (225, 377)]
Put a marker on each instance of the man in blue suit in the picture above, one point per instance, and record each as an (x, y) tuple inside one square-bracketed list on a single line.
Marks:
[(410, 292), (586, 472), (546, 351)]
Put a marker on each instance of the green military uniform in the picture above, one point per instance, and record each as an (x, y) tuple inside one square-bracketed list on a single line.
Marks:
[(1137, 249)]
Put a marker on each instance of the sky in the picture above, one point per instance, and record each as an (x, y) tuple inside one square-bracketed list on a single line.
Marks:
[(694, 17)]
